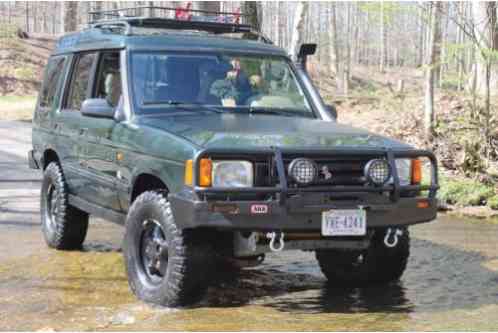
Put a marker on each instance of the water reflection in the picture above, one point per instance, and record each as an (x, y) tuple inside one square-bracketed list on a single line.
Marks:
[(447, 285)]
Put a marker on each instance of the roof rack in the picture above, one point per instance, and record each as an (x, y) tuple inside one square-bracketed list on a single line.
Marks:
[(123, 20)]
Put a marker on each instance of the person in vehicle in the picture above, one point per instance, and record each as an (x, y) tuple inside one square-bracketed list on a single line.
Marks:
[(240, 80)]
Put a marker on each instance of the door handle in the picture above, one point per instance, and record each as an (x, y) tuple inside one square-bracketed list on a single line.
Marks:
[(83, 131)]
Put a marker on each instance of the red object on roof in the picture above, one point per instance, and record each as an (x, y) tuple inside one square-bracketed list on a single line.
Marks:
[(184, 14)]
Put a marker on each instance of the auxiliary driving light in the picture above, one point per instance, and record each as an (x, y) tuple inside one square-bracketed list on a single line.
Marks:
[(303, 170), (378, 172)]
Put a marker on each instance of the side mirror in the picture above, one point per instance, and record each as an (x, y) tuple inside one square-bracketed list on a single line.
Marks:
[(304, 51), (332, 110), (98, 108)]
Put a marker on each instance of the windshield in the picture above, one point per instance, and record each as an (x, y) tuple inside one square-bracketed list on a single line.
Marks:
[(216, 82)]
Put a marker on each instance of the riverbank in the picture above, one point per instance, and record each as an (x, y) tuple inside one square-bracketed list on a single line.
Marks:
[(391, 104), (17, 107)]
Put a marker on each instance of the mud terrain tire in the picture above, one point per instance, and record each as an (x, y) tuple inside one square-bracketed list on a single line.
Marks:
[(165, 265), (376, 265), (64, 226)]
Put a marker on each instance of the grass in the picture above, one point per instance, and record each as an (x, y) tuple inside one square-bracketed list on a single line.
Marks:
[(17, 107), (467, 192)]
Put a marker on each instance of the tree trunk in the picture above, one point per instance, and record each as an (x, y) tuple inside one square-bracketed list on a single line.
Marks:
[(436, 34), (335, 56), (253, 10), (70, 15), (429, 76), (383, 52), (27, 16), (210, 6), (484, 15), (298, 29), (422, 23)]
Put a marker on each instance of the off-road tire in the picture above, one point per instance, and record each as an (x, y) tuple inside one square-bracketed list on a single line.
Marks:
[(64, 226), (189, 255), (378, 265)]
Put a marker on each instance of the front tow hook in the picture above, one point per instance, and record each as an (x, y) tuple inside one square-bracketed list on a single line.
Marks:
[(277, 237)]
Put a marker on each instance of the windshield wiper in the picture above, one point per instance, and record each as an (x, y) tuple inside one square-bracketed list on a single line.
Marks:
[(186, 105), (280, 112)]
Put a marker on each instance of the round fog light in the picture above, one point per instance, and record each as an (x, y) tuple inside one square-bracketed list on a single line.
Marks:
[(303, 170), (378, 171)]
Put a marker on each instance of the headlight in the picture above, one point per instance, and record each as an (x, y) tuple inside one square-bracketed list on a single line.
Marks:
[(404, 169), (409, 171), (232, 174), (378, 172)]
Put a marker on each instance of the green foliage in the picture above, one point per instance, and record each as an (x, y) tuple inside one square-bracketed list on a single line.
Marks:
[(465, 192), (25, 73), (374, 10), (8, 31), (493, 202), (489, 54)]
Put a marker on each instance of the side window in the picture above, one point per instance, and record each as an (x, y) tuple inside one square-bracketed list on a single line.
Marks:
[(80, 80), (108, 84), (51, 81)]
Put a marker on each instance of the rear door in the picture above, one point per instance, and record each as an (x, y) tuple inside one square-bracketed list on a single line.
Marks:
[(47, 104), (72, 126)]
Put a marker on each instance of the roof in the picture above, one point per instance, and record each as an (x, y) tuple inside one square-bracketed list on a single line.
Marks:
[(98, 38)]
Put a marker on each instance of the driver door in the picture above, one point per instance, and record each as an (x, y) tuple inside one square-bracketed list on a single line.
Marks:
[(99, 157)]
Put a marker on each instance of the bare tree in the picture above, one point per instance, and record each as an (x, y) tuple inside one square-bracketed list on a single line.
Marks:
[(335, 57), (435, 10), (70, 10), (383, 52), (253, 10), (298, 28)]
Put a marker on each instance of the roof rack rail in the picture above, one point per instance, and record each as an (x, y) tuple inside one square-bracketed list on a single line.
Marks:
[(124, 19)]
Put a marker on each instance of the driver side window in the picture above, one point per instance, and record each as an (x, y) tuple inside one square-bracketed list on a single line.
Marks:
[(108, 84)]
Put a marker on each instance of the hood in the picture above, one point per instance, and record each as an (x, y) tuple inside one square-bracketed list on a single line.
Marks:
[(249, 131)]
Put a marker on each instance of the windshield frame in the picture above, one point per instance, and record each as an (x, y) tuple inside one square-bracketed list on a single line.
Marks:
[(172, 109)]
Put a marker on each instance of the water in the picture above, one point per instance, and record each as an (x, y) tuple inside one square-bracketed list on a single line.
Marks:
[(451, 283)]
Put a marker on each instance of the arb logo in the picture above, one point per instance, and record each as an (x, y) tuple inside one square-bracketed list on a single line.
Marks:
[(259, 209)]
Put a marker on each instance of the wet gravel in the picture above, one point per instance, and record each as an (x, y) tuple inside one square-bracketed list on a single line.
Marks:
[(451, 282)]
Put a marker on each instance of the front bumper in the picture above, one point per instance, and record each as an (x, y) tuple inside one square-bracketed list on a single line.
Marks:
[(300, 209), (297, 214)]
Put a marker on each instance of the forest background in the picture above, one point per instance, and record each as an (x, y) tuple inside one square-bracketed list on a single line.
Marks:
[(422, 72)]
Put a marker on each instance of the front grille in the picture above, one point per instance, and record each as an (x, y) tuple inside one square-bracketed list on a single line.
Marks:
[(338, 171)]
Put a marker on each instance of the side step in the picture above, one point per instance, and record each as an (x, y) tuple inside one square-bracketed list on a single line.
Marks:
[(96, 210)]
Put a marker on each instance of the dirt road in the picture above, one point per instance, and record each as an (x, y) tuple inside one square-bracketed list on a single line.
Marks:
[(451, 282)]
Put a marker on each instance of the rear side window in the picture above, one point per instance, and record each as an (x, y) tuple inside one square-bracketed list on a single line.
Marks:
[(80, 80), (51, 81)]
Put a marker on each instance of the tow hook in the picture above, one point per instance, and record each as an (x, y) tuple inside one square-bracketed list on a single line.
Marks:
[(391, 238), (279, 238)]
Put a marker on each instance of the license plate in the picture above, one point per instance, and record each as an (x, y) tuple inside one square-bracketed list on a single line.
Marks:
[(344, 222)]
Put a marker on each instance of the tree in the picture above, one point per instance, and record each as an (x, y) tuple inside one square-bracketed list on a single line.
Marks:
[(484, 14), (435, 14), (298, 28), (383, 52), (70, 18), (333, 43), (210, 6), (253, 11)]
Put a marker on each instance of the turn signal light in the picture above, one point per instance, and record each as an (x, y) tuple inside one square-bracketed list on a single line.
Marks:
[(416, 171), (206, 167), (423, 204), (205, 171), (188, 172)]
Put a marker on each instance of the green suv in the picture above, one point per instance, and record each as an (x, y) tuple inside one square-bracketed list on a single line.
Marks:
[(212, 147)]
